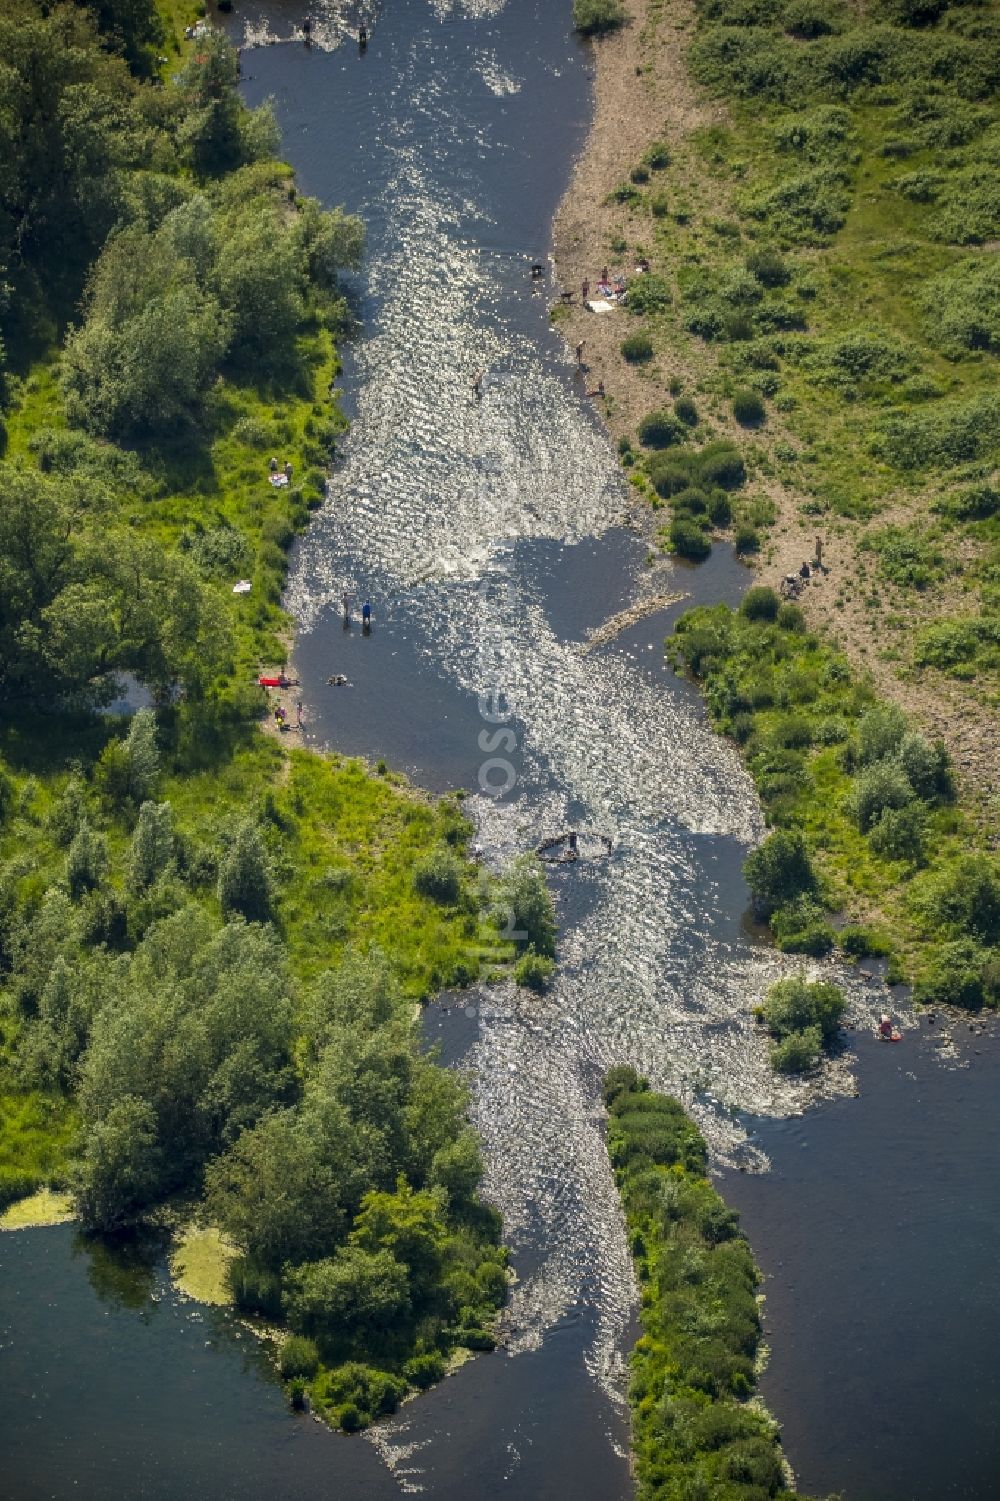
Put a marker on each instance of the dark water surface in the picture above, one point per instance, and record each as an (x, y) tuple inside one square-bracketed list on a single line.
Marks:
[(490, 537)]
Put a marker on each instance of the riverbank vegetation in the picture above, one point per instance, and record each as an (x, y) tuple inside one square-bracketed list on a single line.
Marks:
[(821, 243), (861, 805), (695, 1430), (210, 943)]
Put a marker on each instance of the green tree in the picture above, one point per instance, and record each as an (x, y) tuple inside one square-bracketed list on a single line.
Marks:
[(120, 1169), (408, 1224), (86, 862), (286, 1188), (152, 846), (355, 1292), (522, 906), (244, 884), (779, 870)]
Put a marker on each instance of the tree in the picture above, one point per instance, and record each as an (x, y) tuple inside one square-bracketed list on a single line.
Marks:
[(795, 1004), (152, 846), (120, 1168), (284, 1191), (779, 870), (410, 1225), (355, 1292), (86, 863), (244, 884), (458, 1167), (522, 906)]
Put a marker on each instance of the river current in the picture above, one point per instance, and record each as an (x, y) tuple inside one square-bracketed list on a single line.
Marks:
[(494, 537)]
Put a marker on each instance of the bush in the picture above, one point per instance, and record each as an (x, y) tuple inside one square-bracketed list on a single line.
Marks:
[(685, 409), (769, 268), (901, 834), (798, 1051), (882, 786), (966, 899), (648, 293), (860, 943), (927, 767), (424, 1370), (720, 509), (955, 977), (688, 540), (760, 603), (809, 19), (880, 733), (793, 1005), (661, 430), (244, 885), (748, 409), (721, 464), (778, 871), (637, 348), (522, 907), (438, 875), (595, 17), (800, 927), (746, 539), (534, 971), (298, 1357)]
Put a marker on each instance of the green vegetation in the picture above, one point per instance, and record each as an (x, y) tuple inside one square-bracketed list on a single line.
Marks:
[(210, 943), (595, 17), (825, 279), (695, 1433), (861, 806), (803, 1017)]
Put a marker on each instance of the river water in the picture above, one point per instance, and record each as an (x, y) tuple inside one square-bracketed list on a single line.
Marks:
[(493, 536)]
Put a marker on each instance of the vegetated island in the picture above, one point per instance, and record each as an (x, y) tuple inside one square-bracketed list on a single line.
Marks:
[(697, 1428), (800, 201), (210, 941)]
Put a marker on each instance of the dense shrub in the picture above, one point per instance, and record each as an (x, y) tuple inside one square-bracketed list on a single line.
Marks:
[(694, 1366), (648, 293), (748, 409), (594, 17), (879, 788), (637, 348), (688, 540), (952, 433), (760, 603), (778, 871), (901, 833), (801, 927), (746, 539), (961, 306), (298, 1356), (769, 267), (439, 875), (796, 1005), (534, 971), (798, 1051), (661, 430), (685, 409)]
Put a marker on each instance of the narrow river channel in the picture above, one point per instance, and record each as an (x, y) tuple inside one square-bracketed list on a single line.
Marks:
[(493, 536)]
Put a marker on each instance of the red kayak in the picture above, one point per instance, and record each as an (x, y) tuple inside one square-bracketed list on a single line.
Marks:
[(281, 682)]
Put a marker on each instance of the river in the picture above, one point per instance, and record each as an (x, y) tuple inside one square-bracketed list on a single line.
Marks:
[(492, 536)]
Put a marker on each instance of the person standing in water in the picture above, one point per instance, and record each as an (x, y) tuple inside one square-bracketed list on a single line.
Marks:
[(579, 354), (477, 385), (366, 615)]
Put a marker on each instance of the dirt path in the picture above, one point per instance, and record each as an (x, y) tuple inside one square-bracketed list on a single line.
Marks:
[(644, 93)]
